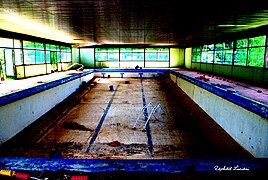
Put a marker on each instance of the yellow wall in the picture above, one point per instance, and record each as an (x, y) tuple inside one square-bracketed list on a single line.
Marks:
[(34, 70), (20, 72), (176, 57), (188, 58)]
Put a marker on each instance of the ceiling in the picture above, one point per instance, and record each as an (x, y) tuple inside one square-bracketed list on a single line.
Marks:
[(136, 22)]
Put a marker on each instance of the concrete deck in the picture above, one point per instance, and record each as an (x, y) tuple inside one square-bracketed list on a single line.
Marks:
[(96, 123)]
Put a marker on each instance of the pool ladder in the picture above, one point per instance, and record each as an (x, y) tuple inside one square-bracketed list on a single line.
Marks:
[(152, 110)]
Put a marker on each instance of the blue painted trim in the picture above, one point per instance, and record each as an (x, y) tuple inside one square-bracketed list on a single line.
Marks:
[(245, 102), (6, 99), (96, 132), (148, 131), (140, 165)]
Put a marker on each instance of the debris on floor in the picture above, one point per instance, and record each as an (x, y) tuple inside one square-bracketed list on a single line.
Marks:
[(114, 143), (75, 126)]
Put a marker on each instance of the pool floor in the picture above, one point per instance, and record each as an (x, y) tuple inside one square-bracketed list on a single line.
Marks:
[(97, 122)]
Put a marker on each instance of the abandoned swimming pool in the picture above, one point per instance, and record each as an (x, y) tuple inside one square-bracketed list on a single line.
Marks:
[(98, 123)]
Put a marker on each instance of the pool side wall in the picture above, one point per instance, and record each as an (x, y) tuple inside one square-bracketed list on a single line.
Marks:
[(249, 129), (35, 102)]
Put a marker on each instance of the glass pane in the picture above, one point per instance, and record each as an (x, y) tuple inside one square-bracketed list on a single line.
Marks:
[(48, 57), (151, 49), (68, 49), (197, 49), (240, 57), (101, 49), (163, 56), (113, 49), (29, 44), (205, 48), (29, 56), (138, 56), (228, 45), (163, 49), (125, 56), (256, 57), (52, 47), (17, 43), (266, 58), (53, 57), (63, 56), (101, 56), (211, 47), (219, 57), (138, 50), (39, 46), (125, 49), (18, 57), (219, 46), (6, 42), (196, 57), (204, 56), (228, 56), (242, 43), (257, 41), (68, 57), (113, 56), (65, 48), (210, 56), (40, 57), (150, 56), (58, 57)]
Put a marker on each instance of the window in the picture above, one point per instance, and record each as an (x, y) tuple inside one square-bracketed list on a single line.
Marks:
[(5, 42), (126, 54), (242, 52), (196, 54), (18, 57), (132, 54), (207, 54), (33, 52), (250, 51), (40, 57), (224, 53), (107, 54), (29, 56), (138, 54), (156, 54), (256, 51), (48, 57)]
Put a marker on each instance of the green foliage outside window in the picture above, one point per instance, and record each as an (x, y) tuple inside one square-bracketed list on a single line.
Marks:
[(257, 41), (157, 54), (196, 54), (250, 51), (224, 53), (207, 54), (246, 52), (240, 57), (132, 54), (256, 56)]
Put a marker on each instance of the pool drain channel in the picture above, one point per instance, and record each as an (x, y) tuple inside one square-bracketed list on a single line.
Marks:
[(148, 131), (96, 132)]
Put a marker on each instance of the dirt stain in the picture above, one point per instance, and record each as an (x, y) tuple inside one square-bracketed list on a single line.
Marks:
[(75, 126)]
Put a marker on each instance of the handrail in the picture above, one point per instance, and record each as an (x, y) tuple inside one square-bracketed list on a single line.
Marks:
[(80, 68)]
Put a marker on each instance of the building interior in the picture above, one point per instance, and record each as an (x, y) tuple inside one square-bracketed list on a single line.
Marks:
[(109, 89)]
